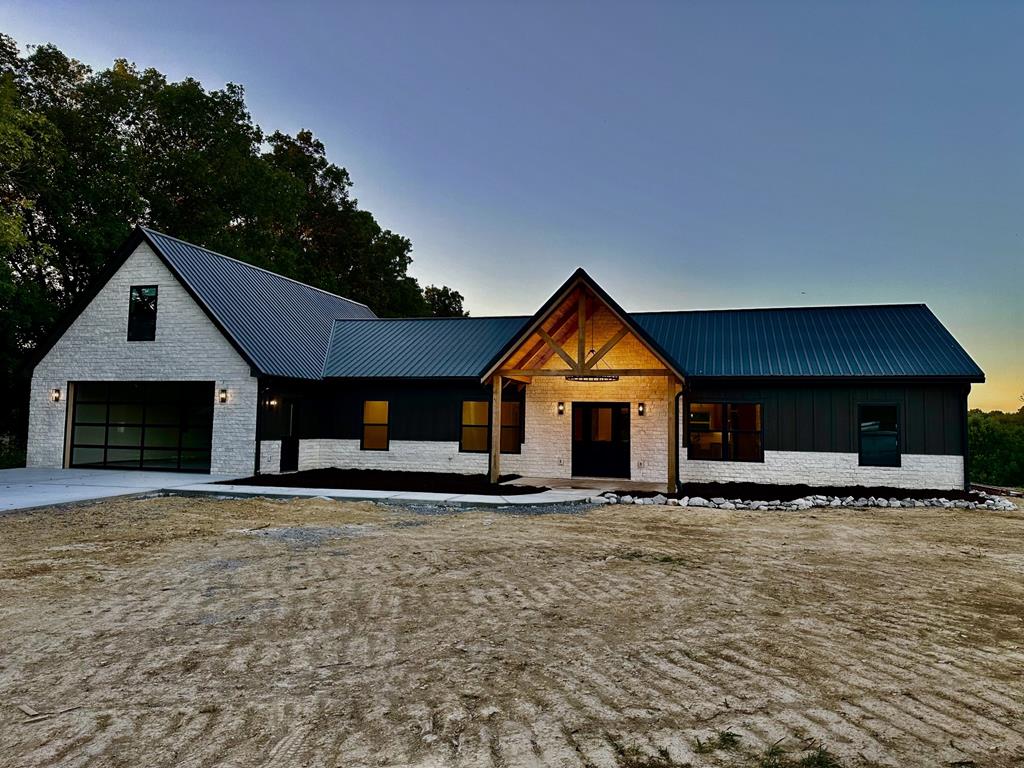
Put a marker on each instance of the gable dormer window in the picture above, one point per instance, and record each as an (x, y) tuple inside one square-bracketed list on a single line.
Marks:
[(142, 313)]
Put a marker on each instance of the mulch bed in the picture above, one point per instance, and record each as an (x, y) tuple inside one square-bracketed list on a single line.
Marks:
[(765, 492), (386, 480)]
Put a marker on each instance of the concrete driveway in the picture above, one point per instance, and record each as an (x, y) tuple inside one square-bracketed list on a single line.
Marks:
[(27, 488)]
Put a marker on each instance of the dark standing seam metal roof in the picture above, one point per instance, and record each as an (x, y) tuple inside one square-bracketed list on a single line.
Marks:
[(455, 347), (284, 326), (901, 340), (882, 341)]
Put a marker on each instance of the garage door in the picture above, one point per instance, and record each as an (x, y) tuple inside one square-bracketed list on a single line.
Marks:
[(164, 425)]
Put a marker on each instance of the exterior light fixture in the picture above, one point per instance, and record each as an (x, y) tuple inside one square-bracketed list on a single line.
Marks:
[(222, 396), (641, 409), (561, 409), (55, 395), (272, 402)]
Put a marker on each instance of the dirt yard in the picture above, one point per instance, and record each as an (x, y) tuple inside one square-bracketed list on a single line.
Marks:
[(199, 633)]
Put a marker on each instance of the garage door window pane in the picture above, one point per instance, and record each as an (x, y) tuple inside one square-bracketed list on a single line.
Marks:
[(160, 459), (86, 456), (125, 413), (161, 437), (86, 413), (127, 391), (162, 413), (195, 438), (91, 392), (90, 435), (123, 436), (195, 460), (123, 457)]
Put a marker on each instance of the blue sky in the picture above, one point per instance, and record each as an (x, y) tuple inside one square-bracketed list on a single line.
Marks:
[(689, 155)]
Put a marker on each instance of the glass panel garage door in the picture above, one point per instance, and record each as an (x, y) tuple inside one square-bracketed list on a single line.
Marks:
[(143, 425)]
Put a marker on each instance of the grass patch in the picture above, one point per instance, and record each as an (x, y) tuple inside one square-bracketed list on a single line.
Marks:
[(816, 757), (631, 756), (722, 740)]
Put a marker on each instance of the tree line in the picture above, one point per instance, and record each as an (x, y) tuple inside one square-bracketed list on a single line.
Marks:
[(996, 443), (85, 155)]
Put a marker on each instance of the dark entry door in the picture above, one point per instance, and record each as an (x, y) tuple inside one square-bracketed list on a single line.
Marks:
[(600, 439)]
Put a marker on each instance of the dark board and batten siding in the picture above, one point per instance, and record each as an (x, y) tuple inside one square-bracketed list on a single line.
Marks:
[(823, 417), (418, 410)]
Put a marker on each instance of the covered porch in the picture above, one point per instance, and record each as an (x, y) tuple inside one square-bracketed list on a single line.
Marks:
[(601, 397)]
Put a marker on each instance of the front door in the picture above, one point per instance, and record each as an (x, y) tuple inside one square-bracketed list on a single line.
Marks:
[(600, 440)]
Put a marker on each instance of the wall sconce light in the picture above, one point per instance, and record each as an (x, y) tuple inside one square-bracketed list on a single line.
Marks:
[(561, 409), (272, 402), (222, 396), (55, 395), (641, 409)]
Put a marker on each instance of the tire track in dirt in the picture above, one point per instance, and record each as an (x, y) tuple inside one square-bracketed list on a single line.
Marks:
[(492, 639)]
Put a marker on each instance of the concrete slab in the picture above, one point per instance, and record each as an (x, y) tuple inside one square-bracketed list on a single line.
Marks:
[(425, 497), (29, 488)]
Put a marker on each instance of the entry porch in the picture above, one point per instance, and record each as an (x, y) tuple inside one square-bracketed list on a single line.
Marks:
[(601, 399)]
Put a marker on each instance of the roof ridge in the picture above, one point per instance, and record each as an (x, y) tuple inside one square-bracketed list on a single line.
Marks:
[(427, 317), (782, 308), (150, 230)]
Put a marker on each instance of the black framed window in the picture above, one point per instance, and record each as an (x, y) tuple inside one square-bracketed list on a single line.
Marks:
[(142, 313), (475, 426), (511, 426), (475, 432), (375, 426), (725, 432), (879, 435)]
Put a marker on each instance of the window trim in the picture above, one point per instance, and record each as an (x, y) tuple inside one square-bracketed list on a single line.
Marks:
[(726, 431), (364, 424), (486, 426), (156, 304), (899, 434)]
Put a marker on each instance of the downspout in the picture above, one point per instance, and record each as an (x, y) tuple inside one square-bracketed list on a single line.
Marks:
[(965, 441), (259, 423), (679, 439)]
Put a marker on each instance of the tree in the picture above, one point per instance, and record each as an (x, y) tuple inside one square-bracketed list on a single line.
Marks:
[(444, 302), (86, 155)]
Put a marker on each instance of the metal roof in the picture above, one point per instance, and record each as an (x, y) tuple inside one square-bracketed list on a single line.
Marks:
[(283, 326), (432, 347), (894, 340), (883, 341)]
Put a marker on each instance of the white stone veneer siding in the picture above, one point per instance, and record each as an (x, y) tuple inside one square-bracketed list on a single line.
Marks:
[(188, 347), (402, 455), (826, 468), (270, 456), (547, 451)]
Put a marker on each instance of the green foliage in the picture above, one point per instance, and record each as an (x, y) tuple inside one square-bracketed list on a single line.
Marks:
[(86, 155), (996, 442), (444, 302)]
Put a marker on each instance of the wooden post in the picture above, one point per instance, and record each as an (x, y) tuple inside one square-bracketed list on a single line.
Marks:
[(581, 334), (671, 391), (496, 428)]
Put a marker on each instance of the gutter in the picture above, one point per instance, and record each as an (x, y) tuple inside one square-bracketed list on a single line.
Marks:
[(679, 438)]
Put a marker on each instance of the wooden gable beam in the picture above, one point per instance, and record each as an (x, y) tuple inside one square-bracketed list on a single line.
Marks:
[(557, 332), (567, 331), (554, 345), (608, 345)]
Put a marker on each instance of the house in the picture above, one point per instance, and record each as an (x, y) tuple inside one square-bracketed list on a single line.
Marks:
[(184, 359)]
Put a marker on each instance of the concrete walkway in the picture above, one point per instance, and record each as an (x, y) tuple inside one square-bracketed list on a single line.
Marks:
[(561, 496), (28, 488), (31, 488)]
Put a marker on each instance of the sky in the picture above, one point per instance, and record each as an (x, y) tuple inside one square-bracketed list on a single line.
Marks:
[(688, 155)]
